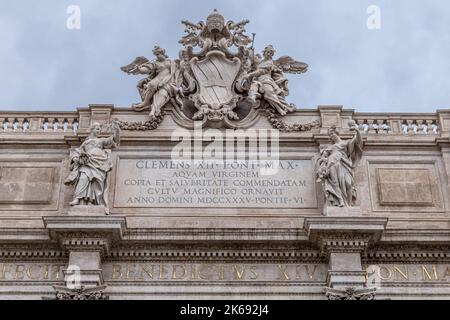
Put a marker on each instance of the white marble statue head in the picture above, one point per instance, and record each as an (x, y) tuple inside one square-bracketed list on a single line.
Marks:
[(96, 128)]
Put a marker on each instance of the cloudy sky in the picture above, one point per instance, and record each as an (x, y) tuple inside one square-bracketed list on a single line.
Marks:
[(404, 66)]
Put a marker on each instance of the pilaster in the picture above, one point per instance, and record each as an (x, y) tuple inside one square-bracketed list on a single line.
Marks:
[(330, 116), (87, 239), (343, 240)]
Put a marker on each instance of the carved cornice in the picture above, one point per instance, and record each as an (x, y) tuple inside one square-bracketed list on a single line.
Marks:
[(343, 243), (31, 254), (408, 253), (344, 234), (216, 234), (86, 233), (417, 236), (218, 255), (101, 244)]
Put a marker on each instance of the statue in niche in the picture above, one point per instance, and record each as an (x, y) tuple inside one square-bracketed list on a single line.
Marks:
[(90, 164), (334, 167), (268, 81), (160, 85)]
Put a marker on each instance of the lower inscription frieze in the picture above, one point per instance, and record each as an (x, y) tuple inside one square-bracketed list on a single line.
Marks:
[(29, 271), (408, 273), (228, 272), (154, 271)]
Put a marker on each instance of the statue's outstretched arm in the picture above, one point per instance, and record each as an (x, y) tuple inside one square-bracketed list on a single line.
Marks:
[(355, 145), (113, 140)]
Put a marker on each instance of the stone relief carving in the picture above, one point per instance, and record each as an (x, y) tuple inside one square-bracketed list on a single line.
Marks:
[(350, 294), (97, 293), (159, 85), (278, 123), (334, 167), (90, 164), (215, 80), (267, 81)]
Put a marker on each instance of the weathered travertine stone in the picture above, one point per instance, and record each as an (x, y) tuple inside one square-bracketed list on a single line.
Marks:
[(160, 84), (95, 293), (87, 210), (167, 183), (342, 211), (350, 293), (26, 185), (334, 168), (89, 165), (215, 80), (238, 232), (404, 187)]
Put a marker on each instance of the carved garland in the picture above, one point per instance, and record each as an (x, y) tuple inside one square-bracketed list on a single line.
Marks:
[(151, 124), (278, 123), (274, 119)]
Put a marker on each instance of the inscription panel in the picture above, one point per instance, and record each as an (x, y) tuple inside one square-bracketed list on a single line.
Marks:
[(142, 183)]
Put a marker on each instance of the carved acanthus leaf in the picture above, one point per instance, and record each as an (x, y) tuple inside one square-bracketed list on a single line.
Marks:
[(350, 294), (81, 294)]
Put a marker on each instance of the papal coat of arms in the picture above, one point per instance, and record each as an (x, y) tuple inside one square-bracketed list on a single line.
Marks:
[(218, 78)]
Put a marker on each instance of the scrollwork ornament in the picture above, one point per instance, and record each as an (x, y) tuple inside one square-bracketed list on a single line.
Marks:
[(81, 294), (350, 293)]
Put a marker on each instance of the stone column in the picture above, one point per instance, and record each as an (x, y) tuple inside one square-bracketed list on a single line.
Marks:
[(343, 240)]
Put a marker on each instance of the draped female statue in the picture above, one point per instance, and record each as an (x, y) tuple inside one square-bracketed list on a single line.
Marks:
[(334, 168), (90, 164)]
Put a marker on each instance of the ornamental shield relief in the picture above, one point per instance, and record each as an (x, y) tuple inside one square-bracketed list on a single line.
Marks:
[(216, 76)]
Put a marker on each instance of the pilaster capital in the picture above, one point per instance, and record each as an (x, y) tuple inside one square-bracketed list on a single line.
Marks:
[(81, 233), (344, 234)]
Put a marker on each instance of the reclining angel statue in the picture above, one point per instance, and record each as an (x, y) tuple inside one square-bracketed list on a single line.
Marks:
[(268, 82), (89, 165), (159, 86)]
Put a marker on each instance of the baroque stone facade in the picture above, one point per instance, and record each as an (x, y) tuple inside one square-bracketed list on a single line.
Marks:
[(363, 216)]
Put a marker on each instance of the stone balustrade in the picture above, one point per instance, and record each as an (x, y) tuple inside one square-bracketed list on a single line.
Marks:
[(406, 124), (35, 122), (369, 123)]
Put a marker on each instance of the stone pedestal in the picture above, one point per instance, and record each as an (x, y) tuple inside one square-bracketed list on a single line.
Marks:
[(88, 211), (342, 211)]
